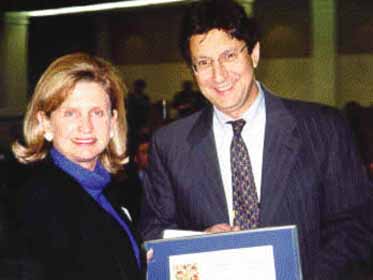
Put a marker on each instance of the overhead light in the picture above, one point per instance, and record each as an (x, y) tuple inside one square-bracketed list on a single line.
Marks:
[(95, 7)]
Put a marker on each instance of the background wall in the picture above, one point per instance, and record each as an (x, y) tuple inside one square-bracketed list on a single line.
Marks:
[(143, 43)]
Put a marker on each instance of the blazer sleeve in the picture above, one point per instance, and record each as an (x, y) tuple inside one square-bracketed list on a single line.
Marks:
[(158, 211)]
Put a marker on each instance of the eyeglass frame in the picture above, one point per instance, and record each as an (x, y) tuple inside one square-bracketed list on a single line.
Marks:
[(225, 60)]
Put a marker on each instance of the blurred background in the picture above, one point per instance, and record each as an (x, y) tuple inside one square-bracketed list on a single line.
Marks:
[(313, 50)]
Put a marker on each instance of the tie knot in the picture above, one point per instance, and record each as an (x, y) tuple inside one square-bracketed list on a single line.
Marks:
[(237, 126)]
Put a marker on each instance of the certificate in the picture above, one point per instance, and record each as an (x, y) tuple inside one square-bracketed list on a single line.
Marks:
[(261, 254), (258, 262)]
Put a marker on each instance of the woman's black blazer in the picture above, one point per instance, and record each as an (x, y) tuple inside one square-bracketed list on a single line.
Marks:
[(62, 233)]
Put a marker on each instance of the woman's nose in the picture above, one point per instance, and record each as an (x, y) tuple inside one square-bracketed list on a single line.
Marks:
[(86, 124)]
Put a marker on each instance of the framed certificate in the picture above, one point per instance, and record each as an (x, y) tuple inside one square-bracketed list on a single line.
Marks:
[(262, 254)]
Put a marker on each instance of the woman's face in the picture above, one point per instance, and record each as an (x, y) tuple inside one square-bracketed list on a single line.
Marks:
[(82, 125)]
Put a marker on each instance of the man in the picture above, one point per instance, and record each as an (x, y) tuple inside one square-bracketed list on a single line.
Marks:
[(302, 167), (187, 101), (134, 176), (138, 108)]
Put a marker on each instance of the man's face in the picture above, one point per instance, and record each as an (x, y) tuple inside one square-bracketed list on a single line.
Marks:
[(142, 156), (224, 71)]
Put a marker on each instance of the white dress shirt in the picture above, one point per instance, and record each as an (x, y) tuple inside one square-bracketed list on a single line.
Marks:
[(253, 136)]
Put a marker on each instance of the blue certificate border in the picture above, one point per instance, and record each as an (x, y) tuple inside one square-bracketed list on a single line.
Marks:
[(283, 239)]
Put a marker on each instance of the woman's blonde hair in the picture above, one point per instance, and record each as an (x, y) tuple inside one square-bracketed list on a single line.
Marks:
[(54, 86)]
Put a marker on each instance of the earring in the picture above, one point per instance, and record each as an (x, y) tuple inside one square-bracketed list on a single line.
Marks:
[(111, 134), (255, 64), (48, 136)]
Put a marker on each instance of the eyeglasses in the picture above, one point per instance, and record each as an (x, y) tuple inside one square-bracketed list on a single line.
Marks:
[(204, 66)]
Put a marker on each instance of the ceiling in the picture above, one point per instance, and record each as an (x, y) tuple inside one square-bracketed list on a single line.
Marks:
[(26, 5)]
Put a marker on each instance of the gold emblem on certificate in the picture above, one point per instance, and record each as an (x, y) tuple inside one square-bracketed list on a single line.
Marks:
[(185, 272)]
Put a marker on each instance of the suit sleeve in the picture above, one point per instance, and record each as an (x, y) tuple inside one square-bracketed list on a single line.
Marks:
[(346, 206), (158, 208)]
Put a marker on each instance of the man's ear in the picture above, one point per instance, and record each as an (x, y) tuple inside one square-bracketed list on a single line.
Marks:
[(255, 55)]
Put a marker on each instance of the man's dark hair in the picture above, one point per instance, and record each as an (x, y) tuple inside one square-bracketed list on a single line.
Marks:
[(226, 15)]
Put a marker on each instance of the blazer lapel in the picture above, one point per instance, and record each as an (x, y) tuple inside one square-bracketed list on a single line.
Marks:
[(203, 148), (281, 147), (113, 195)]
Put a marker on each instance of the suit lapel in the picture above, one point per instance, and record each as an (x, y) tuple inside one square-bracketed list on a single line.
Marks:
[(203, 148), (281, 147)]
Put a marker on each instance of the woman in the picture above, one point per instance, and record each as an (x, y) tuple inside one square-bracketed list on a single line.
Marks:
[(71, 225)]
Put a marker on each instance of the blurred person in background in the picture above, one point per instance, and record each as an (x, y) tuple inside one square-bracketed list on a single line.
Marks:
[(134, 177), (187, 101), (138, 107)]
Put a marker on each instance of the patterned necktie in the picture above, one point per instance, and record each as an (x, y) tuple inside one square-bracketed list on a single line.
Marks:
[(245, 199)]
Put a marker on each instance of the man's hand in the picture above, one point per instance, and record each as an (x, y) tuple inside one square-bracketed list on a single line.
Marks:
[(149, 255), (218, 228)]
